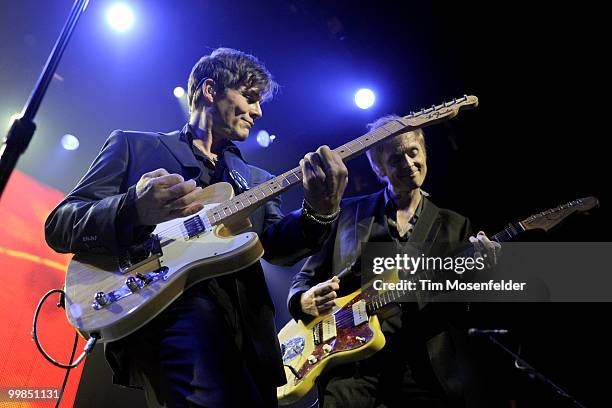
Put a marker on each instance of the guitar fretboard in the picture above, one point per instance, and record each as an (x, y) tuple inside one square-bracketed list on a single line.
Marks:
[(542, 220), (248, 201), (376, 302)]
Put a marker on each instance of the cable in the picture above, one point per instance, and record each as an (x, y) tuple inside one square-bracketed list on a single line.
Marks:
[(74, 346), (86, 350), (293, 371)]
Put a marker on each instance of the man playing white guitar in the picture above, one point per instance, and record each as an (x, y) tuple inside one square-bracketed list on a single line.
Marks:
[(402, 373), (215, 345)]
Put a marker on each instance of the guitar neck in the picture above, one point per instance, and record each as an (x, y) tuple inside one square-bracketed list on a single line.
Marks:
[(245, 203), (507, 234), (379, 301)]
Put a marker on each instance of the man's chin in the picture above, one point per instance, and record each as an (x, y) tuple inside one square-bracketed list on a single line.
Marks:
[(405, 188), (240, 136)]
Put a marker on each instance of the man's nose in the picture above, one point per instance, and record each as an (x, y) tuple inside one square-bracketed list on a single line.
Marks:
[(255, 110), (409, 160)]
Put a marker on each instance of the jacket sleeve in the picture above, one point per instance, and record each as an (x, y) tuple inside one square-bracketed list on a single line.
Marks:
[(317, 268), (289, 238), (96, 216)]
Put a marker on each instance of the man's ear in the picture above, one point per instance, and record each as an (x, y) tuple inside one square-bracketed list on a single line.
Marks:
[(208, 91)]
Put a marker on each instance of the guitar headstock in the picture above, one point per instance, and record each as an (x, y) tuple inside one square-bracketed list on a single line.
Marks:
[(439, 113), (549, 218)]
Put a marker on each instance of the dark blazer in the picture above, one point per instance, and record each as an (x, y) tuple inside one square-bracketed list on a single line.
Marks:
[(343, 247), (95, 217)]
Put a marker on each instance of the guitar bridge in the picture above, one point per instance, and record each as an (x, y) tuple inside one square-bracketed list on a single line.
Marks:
[(136, 256)]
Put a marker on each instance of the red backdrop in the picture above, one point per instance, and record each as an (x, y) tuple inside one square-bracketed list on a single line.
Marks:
[(28, 269)]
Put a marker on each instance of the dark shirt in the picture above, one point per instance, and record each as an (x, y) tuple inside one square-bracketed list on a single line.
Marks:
[(391, 216), (404, 362), (212, 172)]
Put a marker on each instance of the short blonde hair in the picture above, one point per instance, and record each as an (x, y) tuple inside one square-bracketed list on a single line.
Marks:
[(374, 154)]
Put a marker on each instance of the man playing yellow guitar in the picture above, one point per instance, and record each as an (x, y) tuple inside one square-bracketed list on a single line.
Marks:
[(416, 367)]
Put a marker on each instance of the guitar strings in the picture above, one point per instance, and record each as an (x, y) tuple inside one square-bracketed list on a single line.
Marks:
[(176, 229)]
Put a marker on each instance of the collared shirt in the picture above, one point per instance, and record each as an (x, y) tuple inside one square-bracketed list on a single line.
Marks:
[(391, 215), (211, 172)]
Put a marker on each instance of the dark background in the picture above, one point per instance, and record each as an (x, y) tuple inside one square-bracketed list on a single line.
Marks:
[(537, 139)]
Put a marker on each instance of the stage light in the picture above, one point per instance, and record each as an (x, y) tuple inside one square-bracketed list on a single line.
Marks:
[(70, 142), (264, 139), (364, 98), (120, 17), (179, 92)]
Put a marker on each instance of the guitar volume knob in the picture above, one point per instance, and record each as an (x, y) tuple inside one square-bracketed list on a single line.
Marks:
[(132, 283), (101, 298)]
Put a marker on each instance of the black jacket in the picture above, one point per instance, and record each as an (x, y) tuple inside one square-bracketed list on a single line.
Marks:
[(95, 217), (343, 247)]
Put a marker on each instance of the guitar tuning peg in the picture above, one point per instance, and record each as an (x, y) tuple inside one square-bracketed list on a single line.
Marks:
[(465, 98), (433, 107)]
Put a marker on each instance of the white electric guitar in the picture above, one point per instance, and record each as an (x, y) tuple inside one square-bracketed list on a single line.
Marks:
[(109, 298)]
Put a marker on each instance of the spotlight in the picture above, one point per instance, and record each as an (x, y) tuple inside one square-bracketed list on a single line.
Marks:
[(264, 139), (364, 98), (179, 92), (70, 142), (120, 17)]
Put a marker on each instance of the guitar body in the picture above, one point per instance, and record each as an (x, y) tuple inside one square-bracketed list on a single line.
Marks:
[(188, 260), (351, 343)]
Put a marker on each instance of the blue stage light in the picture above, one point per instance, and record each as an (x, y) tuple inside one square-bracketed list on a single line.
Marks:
[(70, 142), (179, 92), (264, 139), (120, 17), (364, 98)]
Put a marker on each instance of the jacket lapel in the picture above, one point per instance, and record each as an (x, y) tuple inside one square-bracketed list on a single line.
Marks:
[(354, 228), (425, 230), (182, 153), (366, 213)]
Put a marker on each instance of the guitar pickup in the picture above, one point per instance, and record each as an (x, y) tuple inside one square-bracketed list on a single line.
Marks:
[(328, 328), (194, 226), (360, 314), (324, 330)]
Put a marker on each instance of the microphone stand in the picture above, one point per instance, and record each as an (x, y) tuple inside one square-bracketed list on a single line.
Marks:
[(524, 366), (22, 129)]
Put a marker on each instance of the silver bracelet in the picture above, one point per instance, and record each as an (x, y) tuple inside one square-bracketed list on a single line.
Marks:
[(309, 213)]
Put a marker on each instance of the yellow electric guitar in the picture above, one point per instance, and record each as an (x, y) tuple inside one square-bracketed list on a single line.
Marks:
[(352, 332)]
